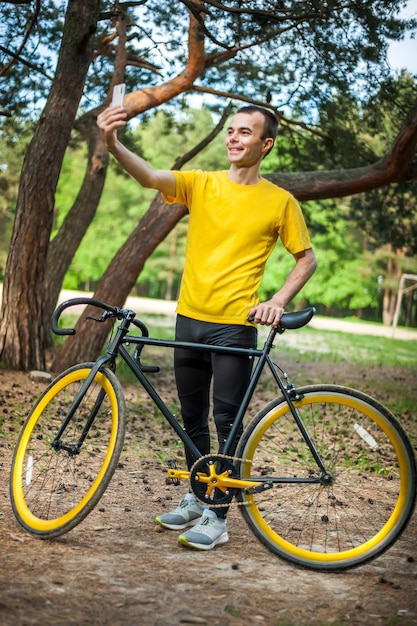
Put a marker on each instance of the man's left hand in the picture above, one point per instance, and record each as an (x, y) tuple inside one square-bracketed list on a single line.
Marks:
[(267, 313)]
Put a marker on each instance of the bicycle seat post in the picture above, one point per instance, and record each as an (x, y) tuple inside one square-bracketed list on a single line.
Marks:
[(269, 342)]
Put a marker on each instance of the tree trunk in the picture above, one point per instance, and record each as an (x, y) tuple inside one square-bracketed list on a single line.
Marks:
[(393, 276), (68, 239), (65, 244), (398, 166), (389, 302), (22, 330), (171, 272), (387, 297), (63, 247)]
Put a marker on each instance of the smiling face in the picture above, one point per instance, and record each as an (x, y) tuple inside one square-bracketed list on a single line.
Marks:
[(245, 141)]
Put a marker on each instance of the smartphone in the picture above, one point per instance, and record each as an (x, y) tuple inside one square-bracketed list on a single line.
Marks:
[(118, 95)]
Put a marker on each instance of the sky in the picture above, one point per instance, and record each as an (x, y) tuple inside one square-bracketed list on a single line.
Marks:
[(403, 54)]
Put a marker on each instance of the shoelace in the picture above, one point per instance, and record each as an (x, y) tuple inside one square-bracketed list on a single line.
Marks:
[(208, 521)]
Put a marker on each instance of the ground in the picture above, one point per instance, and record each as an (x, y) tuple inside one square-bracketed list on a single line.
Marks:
[(119, 568)]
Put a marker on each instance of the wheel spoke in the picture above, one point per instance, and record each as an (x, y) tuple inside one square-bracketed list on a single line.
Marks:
[(369, 496), (56, 483)]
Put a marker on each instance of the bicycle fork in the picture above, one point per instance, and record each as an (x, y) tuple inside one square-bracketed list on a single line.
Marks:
[(74, 449), (108, 358)]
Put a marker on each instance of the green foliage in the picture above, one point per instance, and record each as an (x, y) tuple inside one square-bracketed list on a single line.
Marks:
[(166, 136), (70, 180), (29, 79), (163, 138), (121, 206), (365, 242), (348, 278), (343, 280), (388, 215), (161, 275)]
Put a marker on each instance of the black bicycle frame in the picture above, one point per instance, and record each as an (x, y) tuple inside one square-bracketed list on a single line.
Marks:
[(116, 347), (263, 358)]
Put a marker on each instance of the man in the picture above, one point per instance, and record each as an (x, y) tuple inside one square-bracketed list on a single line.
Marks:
[(236, 217)]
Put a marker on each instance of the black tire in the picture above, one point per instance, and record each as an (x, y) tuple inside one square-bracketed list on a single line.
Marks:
[(53, 489), (367, 503)]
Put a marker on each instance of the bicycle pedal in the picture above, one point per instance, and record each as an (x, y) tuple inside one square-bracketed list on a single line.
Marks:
[(173, 465)]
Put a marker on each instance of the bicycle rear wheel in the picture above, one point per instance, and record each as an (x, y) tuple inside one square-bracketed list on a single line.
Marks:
[(54, 487), (371, 491)]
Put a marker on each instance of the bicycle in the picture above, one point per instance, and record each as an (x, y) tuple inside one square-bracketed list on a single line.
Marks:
[(324, 475)]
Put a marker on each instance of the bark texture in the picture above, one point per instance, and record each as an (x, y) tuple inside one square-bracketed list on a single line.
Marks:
[(22, 330)]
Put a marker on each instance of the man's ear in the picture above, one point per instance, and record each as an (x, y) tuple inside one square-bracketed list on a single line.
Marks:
[(268, 144)]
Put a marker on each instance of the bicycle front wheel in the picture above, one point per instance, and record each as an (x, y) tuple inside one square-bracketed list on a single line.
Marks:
[(347, 515), (56, 483)]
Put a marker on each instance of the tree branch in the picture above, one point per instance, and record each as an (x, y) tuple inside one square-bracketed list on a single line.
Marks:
[(397, 166), (150, 97), (401, 159), (16, 55), (234, 96), (200, 146), (276, 14), (23, 61), (220, 57), (284, 121), (196, 10)]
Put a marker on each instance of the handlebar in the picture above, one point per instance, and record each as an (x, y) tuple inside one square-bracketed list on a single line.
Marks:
[(114, 311)]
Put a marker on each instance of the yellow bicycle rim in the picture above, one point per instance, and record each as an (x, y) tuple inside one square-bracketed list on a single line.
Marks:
[(27, 517), (364, 548)]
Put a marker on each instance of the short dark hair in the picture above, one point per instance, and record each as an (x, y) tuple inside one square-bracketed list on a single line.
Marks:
[(270, 121)]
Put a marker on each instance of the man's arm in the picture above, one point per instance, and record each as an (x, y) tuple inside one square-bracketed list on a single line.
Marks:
[(109, 121), (270, 312)]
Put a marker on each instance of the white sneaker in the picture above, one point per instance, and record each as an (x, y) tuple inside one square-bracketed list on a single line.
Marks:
[(187, 513), (210, 532)]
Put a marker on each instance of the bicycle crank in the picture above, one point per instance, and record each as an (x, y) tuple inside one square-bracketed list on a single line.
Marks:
[(214, 480)]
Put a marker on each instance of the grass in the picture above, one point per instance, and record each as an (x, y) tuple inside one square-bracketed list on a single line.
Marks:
[(310, 344), (363, 357)]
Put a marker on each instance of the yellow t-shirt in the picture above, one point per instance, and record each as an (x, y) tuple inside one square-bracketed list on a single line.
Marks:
[(232, 231)]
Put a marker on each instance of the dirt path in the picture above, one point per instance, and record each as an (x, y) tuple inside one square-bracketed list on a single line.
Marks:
[(118, 568)]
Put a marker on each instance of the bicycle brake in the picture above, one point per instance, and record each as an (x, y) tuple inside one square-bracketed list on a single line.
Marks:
[(103, 317)]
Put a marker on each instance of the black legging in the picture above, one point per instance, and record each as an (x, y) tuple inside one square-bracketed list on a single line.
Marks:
[(194, 371)]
